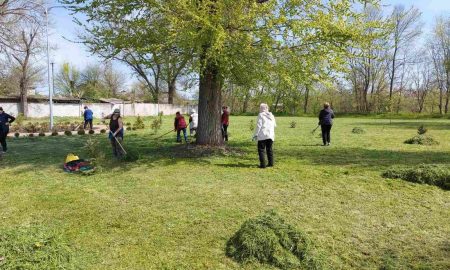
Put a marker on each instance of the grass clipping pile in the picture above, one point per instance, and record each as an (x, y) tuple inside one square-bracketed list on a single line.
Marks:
[(436, 175), (358, 130), (421, 138), (267, 239)]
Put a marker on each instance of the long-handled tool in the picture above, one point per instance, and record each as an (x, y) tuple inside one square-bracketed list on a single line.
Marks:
[(117, 141), (314, 130), (163, 135)]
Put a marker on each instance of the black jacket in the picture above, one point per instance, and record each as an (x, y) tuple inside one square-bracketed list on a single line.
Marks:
[(326, 117)]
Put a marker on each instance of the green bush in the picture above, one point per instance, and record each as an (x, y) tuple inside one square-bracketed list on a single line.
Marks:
[(422, 140), (422, 130), (103, 131), (54, 133), (31, 135), (269, 240), (156, 124), (17, 134), (35, 247), (251, 125), (68, 133), (358, 130), (41, 134), (139, 123), (91, 131), (437, 175), (81, 132), (128, 128), (293, 124)]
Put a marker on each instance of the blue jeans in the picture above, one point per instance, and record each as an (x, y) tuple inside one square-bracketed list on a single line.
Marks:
[(179, 135)]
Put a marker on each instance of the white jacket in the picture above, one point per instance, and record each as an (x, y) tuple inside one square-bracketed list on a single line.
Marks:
[(194, 122), (265, 126)]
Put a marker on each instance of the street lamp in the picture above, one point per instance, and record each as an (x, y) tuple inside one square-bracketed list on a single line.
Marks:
[(50, 89)]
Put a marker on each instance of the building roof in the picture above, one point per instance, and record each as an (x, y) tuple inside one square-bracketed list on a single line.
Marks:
[(37, 99), (113, 101)]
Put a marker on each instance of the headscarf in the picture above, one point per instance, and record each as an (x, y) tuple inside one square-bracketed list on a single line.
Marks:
[(263, 108)]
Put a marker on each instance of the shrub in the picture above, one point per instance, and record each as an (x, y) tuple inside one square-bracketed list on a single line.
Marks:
[(358, 130), (128, 124), (103, 131), (17, 134), (81, 132), (41, 134), (55, 133), (268, 239), (139, 123), (91, 131), (293, 124), (128, 128), (94, 149), (422, 130), (31, 135), (422, 140), (68, 133), (430, 174), (134, 128), (19, 119), (156, 124)]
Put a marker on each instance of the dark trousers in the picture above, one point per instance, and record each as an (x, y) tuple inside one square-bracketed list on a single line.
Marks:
[(225, 132), (3, 133), (326, 134), (265, 146), (117, 150), (184, 134), (88, 122)]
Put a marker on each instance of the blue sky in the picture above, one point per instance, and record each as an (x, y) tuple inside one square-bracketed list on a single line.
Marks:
[(63, 28)]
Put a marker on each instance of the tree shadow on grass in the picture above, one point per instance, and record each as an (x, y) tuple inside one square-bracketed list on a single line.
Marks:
[(364, 157), (433, 125)]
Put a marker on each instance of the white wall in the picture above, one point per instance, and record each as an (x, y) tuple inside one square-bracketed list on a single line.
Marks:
[(99, 109)]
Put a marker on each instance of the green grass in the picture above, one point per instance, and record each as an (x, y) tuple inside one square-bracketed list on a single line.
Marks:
[(176, 209)]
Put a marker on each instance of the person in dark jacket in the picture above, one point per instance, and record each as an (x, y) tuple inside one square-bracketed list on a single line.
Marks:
[(88, 117), (180, 125), (116, 133), (225, 121), (326, 122), (5, 121)]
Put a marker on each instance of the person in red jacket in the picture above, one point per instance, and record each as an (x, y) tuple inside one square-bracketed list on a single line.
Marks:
[(180, 125), (225, 120)]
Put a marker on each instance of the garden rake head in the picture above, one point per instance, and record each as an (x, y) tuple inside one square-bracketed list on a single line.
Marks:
[(314, 130)]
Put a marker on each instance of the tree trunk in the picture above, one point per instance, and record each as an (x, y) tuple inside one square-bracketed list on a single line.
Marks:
[(246, 101), (172, 90), (209, 107), (23, 97), (305, 106)]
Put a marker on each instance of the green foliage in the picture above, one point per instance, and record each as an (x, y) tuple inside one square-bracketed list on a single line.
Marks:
[(268, 239), (103, 131), (19, 119), (17, 134), (68, 133), (422, 140), (252, 125), (54, 133), (41, 134), (293, 124), (128, 129), (91, 131), (437, 175), (139, 124), (156, 124), (94, 150), (31, 135), (35, 247), (81, 132), (422, 130), (358, 130)]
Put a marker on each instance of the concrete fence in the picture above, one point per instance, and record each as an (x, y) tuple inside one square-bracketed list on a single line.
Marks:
[(99, 109)]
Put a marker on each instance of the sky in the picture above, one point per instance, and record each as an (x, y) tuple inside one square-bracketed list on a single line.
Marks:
[(64, 31)]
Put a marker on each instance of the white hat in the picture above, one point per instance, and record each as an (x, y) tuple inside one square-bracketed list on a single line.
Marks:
[(193, 111)]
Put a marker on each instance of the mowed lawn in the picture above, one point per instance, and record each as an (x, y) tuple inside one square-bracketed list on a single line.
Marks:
[(175, 208)]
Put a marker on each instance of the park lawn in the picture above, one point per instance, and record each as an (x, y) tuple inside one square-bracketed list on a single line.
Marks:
[(175, 208)]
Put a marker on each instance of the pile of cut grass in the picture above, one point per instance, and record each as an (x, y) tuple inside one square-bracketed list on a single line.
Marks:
[(422, 140), (430, 174), (358, 130), (267, 239)]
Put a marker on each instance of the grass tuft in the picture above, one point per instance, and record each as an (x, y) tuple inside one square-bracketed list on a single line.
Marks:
[(358, 130)]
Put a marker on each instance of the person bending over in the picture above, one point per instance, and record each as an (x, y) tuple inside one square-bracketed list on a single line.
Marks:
[(180, 125), (88, 117), (116, 133)]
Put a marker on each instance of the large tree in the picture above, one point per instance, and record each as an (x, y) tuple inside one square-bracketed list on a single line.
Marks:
[(228, 38)]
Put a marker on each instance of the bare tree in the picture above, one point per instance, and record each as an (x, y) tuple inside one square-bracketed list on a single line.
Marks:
[(114, 80), (422, 82), (406, 29)]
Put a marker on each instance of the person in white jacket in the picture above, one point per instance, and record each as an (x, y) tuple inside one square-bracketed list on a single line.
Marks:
[(193, 122), (265, 134)]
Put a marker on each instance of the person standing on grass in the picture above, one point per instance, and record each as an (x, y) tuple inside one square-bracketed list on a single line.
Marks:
[(116, 133), (265, 134), (5, 121), (88, 117), (180, 125), (225, 120), (326, 116), (193, 122)]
